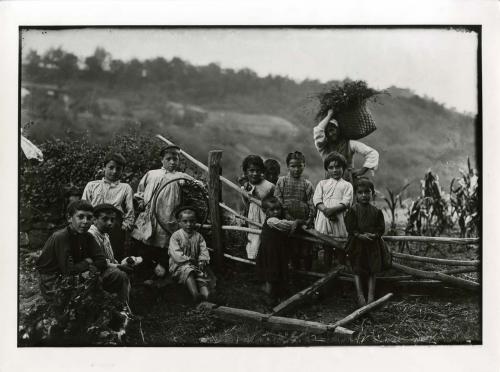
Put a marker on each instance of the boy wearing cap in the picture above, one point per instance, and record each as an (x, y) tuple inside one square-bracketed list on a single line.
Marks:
[(114, 277), (110, 190), (157, 198), (71, 250)]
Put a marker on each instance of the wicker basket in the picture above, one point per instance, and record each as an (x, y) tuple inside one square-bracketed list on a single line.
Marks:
[(357, 122)]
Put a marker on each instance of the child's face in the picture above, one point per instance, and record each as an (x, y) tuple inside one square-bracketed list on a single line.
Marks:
[(80, 221), (272, 175), (331, 132), (364, 195), (112, 171), (274, 210), (254, 174), (335, 170), (296, 167), (187, 221), (170, 161), (105, 221)]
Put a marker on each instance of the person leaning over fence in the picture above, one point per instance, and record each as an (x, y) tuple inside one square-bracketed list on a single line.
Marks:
[(296, 195), (258, 187), (274, 252), (70, 251), (158, 194), (111, 191), (189, 256), (328, 138), (115, 276), (272, 170)]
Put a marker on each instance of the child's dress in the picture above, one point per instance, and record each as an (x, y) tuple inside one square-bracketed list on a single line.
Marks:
[(332, 193), (256, 214), (274, 252), (186, 251), (366, 257), (148, 228)]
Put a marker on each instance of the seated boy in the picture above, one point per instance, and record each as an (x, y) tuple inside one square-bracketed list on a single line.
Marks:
[(71, 250), (114, 277)]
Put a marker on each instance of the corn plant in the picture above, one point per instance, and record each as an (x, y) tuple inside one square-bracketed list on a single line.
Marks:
[(392, 200)]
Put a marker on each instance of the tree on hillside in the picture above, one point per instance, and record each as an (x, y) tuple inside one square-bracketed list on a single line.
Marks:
[(97, 63), (33, 66)]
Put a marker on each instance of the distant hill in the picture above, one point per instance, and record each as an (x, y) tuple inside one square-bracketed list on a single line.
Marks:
[(206, 107)]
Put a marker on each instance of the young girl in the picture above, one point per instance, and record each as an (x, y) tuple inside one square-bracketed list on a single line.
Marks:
[(365, 248), (189, 256), (111, 191), (331, 198), (296, 195), (274, 251), (259, 188)]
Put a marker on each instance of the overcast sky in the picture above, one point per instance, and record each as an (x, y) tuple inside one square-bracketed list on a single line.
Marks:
[(438, 63)]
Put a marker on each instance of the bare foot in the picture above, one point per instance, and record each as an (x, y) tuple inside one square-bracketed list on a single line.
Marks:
[(361, 301)]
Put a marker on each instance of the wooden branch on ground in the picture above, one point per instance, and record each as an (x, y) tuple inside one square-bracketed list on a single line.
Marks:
[(440, 261), (361, 311), (306, 293), (459, 282), (235, 315), (205, 168)]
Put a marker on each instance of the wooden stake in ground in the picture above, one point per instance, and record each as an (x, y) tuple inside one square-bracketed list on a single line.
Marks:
[(235, 315), (459, 282), (361, 311), (306, 293), (214, 199)]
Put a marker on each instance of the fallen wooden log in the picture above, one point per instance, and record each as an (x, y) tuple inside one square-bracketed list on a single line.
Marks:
[(205, 168), (459, 282), (275, 322), (361, 311), (440, 261), (306, 293)]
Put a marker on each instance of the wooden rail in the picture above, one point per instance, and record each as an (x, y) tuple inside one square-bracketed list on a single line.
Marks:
[(440, 261)]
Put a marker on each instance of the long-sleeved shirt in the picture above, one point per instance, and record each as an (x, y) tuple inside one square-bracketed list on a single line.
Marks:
[(296, 196), (118, 194), (65, 252), (324, 147)]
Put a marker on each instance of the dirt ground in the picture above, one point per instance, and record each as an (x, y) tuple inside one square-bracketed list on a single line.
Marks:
[(415, 314)]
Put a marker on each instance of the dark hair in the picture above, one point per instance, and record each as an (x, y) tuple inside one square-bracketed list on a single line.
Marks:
[(336, 157), (79, 205), (296, 155), (181, 209), (171, 149), (253, 160), (117, 157), (269, 201), (272, 165), (106, 208), (364, 182)]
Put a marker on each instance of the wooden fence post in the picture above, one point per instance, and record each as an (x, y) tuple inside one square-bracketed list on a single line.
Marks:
[(214, 194)]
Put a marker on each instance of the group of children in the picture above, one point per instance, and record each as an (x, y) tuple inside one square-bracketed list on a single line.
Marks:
[(164, 234)]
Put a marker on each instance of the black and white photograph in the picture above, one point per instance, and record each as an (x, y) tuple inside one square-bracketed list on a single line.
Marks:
[(296, 191), (315, 188)]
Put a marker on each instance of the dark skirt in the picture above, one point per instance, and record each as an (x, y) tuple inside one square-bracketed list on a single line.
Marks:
[(273, 256), (366, 257)]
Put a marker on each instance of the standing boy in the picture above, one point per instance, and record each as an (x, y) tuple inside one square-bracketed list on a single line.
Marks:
[(295, 194), (114, 277), (111, 191)]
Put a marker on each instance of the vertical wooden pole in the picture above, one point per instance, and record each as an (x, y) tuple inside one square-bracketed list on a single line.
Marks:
[(215, 196)]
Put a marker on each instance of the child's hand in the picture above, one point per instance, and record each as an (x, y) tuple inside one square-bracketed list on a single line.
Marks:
[(365, 237), (89, 260), (202, 265), (125, 268), (329, 115)]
